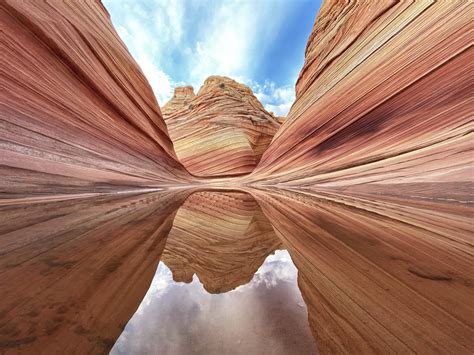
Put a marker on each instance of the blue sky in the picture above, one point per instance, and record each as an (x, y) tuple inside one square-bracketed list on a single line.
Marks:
[(260, 43)]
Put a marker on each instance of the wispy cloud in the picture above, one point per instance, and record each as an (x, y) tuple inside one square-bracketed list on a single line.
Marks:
[(232, 39), (179, 41), (274, 98)]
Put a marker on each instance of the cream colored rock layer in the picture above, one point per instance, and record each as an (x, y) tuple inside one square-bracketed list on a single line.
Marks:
[(221, 131)]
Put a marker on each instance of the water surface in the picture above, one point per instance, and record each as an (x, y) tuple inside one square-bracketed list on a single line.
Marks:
[(260, 271), (179, 318)]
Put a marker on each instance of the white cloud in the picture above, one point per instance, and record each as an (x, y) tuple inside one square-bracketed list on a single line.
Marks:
[(224, 49), (231, 41), (168, 19), (216, 38), (149, 35), (160, 82), (275, 99), (277, 268), (279, 110)]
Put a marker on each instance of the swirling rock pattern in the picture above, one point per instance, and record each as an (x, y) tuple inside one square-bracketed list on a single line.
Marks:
[(76, 112), (222, 237), (378, 142), (383, 102), (221, 131)]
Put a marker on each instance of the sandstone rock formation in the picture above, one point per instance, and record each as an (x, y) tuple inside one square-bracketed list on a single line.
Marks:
[(374, 164), (280, 119), (221, 131), (183, 95), (222, 237), (383, 102), (76, 112)]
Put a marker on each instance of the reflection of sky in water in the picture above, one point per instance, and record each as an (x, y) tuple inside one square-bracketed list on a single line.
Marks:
[(267, 315)]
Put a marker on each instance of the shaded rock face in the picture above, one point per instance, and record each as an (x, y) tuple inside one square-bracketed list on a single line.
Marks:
[(222, 237), (221, 131), (382, 101), (76, 112)]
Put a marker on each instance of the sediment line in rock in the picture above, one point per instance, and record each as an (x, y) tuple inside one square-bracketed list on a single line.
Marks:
[(77, 113), (221, 131), (383, 102)]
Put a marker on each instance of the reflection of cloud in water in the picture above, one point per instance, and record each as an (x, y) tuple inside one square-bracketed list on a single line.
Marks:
[(277, 267), (160, 284), (264, 314)]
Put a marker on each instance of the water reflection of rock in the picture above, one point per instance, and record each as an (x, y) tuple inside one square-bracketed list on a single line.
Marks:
[(73, 272), (222, 237), (379, 276), (376, 275)]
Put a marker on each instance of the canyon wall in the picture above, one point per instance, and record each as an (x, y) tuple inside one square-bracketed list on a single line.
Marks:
[(76, 112), (383, 103), (221, 131)]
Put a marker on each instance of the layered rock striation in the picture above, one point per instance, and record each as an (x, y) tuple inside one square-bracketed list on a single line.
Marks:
[(221, 131), (76, 112), (379, 137), (383, 103)]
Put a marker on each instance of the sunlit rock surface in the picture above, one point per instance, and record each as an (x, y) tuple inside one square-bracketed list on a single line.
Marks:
[(221, 131), (77, 113), (222, 238), (183, 95), (373, 165), (383, 103)]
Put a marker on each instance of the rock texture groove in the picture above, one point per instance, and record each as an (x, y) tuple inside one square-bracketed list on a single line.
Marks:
[(367, 183), (76, 112), (383, 103)]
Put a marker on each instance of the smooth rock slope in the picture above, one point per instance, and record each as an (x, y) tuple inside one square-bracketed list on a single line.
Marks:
[(221, 131), (383, 103), (76, 112)]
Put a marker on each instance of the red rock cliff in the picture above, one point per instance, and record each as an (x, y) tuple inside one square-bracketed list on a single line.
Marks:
[(221, 131), (76, 111), (383, 102)]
